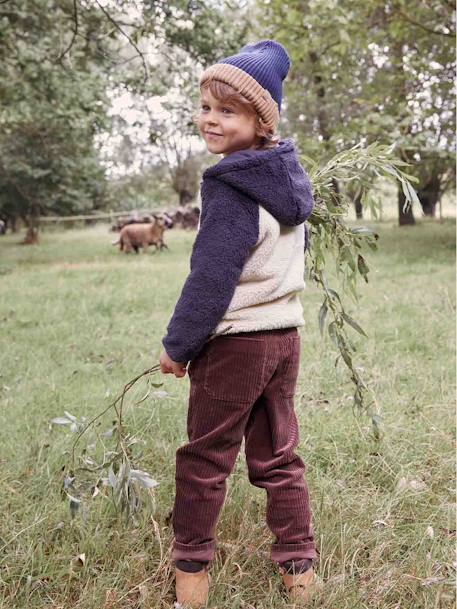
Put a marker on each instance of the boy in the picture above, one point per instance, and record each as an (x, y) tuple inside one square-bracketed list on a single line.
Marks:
[(236, 323)]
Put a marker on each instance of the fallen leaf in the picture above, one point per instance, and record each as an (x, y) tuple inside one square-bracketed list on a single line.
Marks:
[(80, 560), (405, 484)]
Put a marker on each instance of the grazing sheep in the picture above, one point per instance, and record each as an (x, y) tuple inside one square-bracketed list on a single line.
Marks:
[(134, 236)]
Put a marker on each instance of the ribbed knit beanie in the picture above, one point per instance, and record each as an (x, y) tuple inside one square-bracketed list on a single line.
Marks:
[(257, 72)]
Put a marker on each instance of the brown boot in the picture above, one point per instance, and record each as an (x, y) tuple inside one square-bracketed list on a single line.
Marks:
[(192, 588), (300, 587)]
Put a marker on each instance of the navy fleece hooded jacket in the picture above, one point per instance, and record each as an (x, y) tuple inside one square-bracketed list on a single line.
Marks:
[(252, 200)]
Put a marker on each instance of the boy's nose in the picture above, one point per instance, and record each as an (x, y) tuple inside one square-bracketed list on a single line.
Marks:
[(211, 119)]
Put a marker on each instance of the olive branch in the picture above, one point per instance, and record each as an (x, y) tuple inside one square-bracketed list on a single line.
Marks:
[(126, 482), (331, 236)]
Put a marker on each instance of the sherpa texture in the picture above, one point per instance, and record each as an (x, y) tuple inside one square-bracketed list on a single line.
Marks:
[(267, 294), (247, 262)]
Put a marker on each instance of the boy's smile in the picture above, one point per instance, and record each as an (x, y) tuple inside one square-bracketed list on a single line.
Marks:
[(225, 127)]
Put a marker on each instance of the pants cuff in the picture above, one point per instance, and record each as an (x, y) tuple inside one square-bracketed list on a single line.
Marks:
[(201, 552), (281, 552)]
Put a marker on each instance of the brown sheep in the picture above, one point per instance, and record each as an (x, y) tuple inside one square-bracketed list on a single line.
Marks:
[(134, 236)]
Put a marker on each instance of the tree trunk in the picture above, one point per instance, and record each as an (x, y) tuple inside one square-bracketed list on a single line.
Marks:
[(322, 118), (31, 236), (33, 223), (358, 207), (185, 197), (14, 224), (404, 217), (429, 196)]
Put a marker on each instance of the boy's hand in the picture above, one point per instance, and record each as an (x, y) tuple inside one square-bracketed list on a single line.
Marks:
[(168, 366)]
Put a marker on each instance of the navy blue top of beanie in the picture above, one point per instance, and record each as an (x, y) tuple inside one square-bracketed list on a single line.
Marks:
[(267, 61)]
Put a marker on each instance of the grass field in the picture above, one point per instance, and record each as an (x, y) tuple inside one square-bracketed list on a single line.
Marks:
[(78, 320)]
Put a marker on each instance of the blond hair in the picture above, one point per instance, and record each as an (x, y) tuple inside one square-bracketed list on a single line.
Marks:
[(226, 93)]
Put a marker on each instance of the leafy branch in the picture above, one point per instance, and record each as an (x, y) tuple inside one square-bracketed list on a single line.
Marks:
[(125, 481), (331, 235)]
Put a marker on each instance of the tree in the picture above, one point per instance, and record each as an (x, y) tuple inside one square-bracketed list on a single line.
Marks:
[(378, 71), (59, 59), (52, 110)]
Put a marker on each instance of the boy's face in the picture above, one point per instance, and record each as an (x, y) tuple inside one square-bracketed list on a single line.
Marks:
[(225, 127)]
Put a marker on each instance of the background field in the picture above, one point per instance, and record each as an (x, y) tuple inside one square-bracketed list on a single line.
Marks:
[(78, 320)]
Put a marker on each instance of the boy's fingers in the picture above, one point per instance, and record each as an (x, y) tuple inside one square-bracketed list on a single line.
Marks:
[(180, 372)]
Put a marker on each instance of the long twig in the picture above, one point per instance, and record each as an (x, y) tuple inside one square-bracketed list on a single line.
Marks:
[(120, 398)]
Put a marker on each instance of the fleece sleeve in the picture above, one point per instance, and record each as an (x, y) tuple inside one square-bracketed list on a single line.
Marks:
[(229, 228)]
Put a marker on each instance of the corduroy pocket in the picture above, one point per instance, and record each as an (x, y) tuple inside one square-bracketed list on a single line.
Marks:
[(235, 368), (289, 370)]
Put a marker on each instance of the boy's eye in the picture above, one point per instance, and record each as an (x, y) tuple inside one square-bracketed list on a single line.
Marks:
[(224, 109)]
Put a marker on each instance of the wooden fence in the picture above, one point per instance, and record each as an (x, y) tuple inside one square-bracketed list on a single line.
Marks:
[(107, 216)]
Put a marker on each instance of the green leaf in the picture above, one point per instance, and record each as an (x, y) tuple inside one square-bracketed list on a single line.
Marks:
[(75, 504), (358, 398), (60, 421), (363, 230), (143, 478), (353, 323), (362, 266), (334, 294), (112, 478), (146, 395), (322, 315), (346, 356), (376, 423), (407, 194), (412, 194), (333, 332)]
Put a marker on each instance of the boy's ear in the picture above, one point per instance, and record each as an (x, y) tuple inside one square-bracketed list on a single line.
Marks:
[(258, 127)]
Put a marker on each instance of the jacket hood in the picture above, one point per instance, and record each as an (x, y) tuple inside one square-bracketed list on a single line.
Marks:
[(272, 178)]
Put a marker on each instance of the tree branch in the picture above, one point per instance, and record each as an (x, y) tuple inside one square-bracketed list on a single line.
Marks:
[(75, 31), (118, 27), (421, 25)]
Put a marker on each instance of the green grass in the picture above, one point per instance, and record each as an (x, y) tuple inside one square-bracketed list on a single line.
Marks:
[(79, 319)]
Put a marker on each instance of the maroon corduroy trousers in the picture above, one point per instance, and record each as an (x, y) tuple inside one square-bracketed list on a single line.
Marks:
[(242, 386)]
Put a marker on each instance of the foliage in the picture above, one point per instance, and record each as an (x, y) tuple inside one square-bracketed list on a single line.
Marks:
[(331, 236), (148, 189), (126, 482), (369, 71), (187, 36), (58, 61), (205, 29), (52, 110), (357, 108)]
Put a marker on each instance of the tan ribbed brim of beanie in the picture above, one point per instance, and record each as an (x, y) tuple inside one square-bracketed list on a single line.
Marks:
[(245, 84)]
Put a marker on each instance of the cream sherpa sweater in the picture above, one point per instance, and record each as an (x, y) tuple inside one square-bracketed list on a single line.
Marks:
[(267, 293), (247, 263)]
